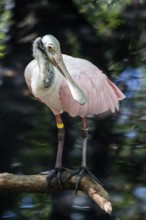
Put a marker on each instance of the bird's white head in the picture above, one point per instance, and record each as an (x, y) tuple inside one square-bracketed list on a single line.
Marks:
[(51, 43), (48, 48)]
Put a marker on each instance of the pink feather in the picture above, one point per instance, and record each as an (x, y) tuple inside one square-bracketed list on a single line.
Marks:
[(102, 94)]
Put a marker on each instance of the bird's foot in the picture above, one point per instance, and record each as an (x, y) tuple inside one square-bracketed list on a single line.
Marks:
[(57, 172), (83, 171)]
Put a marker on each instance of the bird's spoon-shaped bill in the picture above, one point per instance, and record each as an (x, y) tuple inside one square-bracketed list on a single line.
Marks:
[(77, 93)]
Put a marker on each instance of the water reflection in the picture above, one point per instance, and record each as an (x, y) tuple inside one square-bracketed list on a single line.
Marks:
[(26, 202), (8, 215)]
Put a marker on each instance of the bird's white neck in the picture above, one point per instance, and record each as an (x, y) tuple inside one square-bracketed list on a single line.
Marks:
[(46, 72)]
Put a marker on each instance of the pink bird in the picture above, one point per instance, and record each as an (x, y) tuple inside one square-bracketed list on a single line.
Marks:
[(73, 85)]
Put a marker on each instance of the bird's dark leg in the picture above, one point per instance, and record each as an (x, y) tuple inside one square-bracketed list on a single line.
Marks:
[(61, 135), (83, 171), (57, 171)]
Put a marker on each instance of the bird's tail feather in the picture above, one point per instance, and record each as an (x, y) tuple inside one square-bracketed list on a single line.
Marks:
[(117, 91)]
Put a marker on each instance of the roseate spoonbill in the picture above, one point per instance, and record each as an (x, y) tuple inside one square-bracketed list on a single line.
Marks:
[(68, 84)]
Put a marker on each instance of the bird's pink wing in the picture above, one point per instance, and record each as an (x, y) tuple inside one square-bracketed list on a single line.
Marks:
[(102, 94)]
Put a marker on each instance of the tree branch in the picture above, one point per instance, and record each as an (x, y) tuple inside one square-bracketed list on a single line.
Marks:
[(36, 184)]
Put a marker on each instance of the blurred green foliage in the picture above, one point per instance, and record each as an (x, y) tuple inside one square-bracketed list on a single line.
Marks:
[(74, 44), (103, 15), (5, 22), (117, 27)]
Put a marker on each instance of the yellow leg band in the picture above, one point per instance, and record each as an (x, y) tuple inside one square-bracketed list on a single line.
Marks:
[(60, 125)]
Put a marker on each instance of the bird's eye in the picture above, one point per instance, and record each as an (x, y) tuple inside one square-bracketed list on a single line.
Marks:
[(50, 48)]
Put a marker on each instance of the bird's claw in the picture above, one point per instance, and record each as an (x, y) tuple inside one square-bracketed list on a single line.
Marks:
[(57, 172), (83, 171), (54, 173)]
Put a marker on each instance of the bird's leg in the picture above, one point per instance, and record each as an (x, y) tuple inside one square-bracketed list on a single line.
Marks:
[(57, 171), (84, 142), (84, 170), (61, 135)]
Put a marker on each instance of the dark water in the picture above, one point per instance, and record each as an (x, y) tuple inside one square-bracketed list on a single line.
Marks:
[(116, 146)]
